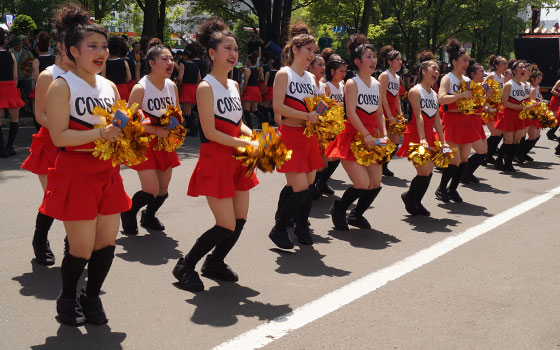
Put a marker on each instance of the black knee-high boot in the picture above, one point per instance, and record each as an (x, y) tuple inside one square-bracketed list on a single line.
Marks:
[(248, 120), (339, 207), (455, 180), (302, 230), (41, 246), (521, 150), (322, 180), (214, 265), (473, 163), (128, 218), (291, 205), (446, 175), (509, 153), (356, 217), (67, 306), (270, 112), (284, 194), (410, 197), (385, 168), (529, 144), (3, 151), (261, 117), (98, 268), (148, 219), (205, 243), (12, 133), (420, 209), (551, 133), (493, 142)]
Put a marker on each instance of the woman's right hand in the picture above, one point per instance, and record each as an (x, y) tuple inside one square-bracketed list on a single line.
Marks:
[(313, 117), (161, 132), (111, 132), (424, 143), (369, 140), (466, 94)]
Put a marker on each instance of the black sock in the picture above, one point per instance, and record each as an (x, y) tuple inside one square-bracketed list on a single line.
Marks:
[(349, 196), (457, 176), (71, 269), (446, 175), (154, 205), (284, 194), (270, 112), (522, 147), (416, 186), (223, 248), (291, 204), (304, 210), (424, 188), (318, 176), (248, 120), (366, 199), (474, 162), (329, 170), (261, 117), (205, 243), (42, 226), (12, 133), (493, 142), (98, 268), (139, 200), (531, 144)]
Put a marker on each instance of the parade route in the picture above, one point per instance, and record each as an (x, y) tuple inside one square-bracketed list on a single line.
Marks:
[(476, 275)]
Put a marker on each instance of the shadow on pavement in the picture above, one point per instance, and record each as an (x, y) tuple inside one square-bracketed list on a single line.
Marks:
[(221, 305), (153, 248), (42, 283), (96, 337), (394, 181), (484, 187), (537, 165), (520, 174), (465, 209), (306, 262), (365, 238), (428, 224)]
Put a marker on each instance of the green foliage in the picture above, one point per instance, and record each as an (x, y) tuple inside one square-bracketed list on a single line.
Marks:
[(23, 25), (243, 36)]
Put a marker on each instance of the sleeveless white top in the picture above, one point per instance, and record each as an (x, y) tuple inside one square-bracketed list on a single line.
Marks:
[(55, 71), (428, 101), (499, 78), (155, 101), (538, 95), (527, 87), (393, 85), (320, 90), (368, 97), (455, 83), (84, 98), (227, 103), (299, 87), (337, 92), (518, 92)]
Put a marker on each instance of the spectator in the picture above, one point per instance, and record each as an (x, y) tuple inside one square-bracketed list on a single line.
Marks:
[(24, 58)]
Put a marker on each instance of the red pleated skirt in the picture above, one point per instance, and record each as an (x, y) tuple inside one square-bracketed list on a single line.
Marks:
[(306, 154), (554, 105), (340, 147), (478, 126), (268, 94), (188, 93), (124, 91), (458, 128), (509, 121), (411, 136), (9, 95), (532, 122), (42, 155), (218, 174), (252, 93), (158, 160), (80, 187)]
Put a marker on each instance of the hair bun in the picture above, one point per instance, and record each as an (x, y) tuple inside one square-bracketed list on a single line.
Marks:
[(384, 51), (426, 55), (298, 29), (355, 41), (70, 15), (208, 28), (154, 42), (453, 46)]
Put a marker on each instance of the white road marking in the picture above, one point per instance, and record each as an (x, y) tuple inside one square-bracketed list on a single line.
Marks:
[(282, 325)]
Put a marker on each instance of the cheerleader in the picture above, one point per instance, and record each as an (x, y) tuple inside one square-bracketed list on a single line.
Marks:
[(317, 68), (553, 106), (475, 72), (292, 84), (251, 95), (362, 100), (153, 93), (189, 76), (420, 129), (39, 64), (275, 65), (86, 193), (390, 89), (532, 126), (42, 151), (218, 175), (116, 69), (334, 89), (457, 127), (498, 67), (513, 128), (10, 98)]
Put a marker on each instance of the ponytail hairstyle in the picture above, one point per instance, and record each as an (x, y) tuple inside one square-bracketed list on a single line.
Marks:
[(426, 58), (473, 67), (301, 36), (535, 73), (388, 53), (454, 50), (211, 33), (43, 41), (357, 45), (154, 47), (493, 61), (75, 23), (335, 63)]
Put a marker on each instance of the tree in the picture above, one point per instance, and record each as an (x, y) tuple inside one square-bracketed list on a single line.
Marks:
[(23, 25)]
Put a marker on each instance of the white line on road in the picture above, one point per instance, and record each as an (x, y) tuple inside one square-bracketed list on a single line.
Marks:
[(282, 325)]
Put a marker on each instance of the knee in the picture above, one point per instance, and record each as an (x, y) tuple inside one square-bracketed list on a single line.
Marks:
[(228, 224), (78, 251)]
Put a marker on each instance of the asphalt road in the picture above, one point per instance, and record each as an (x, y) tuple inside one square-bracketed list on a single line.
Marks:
[(500, 290)]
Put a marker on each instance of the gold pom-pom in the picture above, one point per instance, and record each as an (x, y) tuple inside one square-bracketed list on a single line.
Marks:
[(380, 153), (527, 111), (271, 153), (442, 155), (493, 103), (131, 148), (331, 119), (544, 115), (418, 154), (172, 121), (478, 99), (398, 126)]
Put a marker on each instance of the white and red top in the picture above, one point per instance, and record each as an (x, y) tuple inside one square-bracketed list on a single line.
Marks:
[(320, 90), (499, 78), (428, 106), (227, 110), (337, 92), (368, 100), (55, 71), (83, 99), (299, 87), (155, 101), (518, 93), (538, 95), (454, 87)]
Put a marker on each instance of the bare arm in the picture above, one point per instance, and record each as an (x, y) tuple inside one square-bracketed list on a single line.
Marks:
[(43, 82), (181, 73), (127, 70), (414, 99), (384, 81), (35, 74), (247, 74), (555, 89), (439, 128), (444, 98), (15, 68)]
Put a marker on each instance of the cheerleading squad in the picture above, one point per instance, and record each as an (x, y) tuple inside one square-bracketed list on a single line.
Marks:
[(87, 193)]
